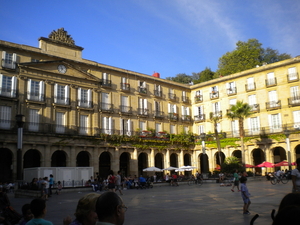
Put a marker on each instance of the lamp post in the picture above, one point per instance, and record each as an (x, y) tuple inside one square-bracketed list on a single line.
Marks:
[(204, 157), (287, 134), (20, 122)]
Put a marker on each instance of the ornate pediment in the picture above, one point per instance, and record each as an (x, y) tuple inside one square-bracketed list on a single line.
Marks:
[(62, 36)]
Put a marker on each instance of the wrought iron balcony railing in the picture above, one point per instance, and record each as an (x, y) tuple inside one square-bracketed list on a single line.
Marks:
[(250, 87), (271, 82), (272, 105)]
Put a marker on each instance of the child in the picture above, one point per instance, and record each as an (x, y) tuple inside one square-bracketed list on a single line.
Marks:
[(245, 195), (38, 209), (59, 187)]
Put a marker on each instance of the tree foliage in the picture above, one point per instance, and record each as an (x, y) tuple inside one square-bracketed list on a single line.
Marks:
[(181, 78), (231, 164), (247, 55), (203, 76)]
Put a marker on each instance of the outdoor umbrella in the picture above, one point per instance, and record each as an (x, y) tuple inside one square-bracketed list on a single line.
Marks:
[(171, 168), (152, 169), (187, 168), (283, 163), (265, 164), (249, 166)]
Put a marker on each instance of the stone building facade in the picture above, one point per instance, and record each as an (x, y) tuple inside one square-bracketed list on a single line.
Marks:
[(83, 113)]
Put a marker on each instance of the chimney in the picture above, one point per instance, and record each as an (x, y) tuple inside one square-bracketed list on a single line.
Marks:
[(155, 74)]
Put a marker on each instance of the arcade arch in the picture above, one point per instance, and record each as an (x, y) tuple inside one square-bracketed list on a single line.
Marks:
[(6, 158), (83, 159), (142, 162), (32, 158), (59, 159), (104, 164)]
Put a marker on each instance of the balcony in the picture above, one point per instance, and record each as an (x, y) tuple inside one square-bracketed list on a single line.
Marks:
[(198, 98), (216, 114), (158, 115), (231, 91), (35, 96), (105, 83), (85, 104), (292, 77), (125, 109), (157, 93), (8, 92), (185, 99), (8, 64), (186, 118), (173, 116), (61, 100), (250, 87), (214, 95), (273, 105), (106, 107), (172, 96), (142, 112), (254, 108), (199, 118), (271, 82), (125, 87), (294, 101), (142, 90)]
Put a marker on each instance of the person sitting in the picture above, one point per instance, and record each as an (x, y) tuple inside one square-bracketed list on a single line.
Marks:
[(85, 211), (26, 213), (142, 181), (38, 209), (110, 209)]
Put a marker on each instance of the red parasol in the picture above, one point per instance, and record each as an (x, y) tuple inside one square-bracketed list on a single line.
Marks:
[(265, 164), (249, 166), (283, 163)]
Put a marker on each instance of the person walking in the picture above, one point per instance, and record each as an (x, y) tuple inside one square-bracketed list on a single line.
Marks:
[(111, 181), (245, 195), (296, 177), (235, 181), (119, 182), (51, 183)]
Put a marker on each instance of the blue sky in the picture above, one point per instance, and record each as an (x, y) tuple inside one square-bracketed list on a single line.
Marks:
[(166, 36)]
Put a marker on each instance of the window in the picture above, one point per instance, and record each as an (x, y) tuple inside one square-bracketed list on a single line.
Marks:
[(142, 126), (184, 97), (107, 125), (198, 96), (295, 94), (216, 108), (5, 117), (254, 127), (199, 113), (214, 92), (172, 129), (292, 74), (125, 86), (83, 125), (9, 60), (171, 94), (275, 122), (84, 98), (185, 113), (271, 80), (60, 122), (296, 116), (35, 90), (201, 129), (125, 108), (273, 100), (250, 84), (157, 90), (158, 127), (143, 106), (105, 102), (61, 94), (185, 129), (8, 86), (231, 88), (33, 120), (235, 128), (126, 127), (142, 87)]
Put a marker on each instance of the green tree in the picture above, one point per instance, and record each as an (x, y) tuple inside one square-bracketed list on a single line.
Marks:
[(231, 164), (181, 78), (240, 111), (247, 55), (203, 76), (215, 118)]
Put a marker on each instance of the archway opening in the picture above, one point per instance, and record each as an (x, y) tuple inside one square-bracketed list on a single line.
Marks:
[(142, 163), (83, 159), (32, 158), (258, 157), (5, 165), (125, 163), (104, 164), (58, 159)]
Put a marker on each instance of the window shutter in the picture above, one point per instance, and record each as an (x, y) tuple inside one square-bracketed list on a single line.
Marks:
[(55, 93), (123, 80), (67, 94), (175, 108), (42, 87), (169, 108), (188, 111), (14, 60), (1, 85), (28, 89), (3, 58), (79, 96), (196, 111), (182, 110), (129, 127), (121, 126), (14, 81), (110, 125), (90, 98), (144, 84)]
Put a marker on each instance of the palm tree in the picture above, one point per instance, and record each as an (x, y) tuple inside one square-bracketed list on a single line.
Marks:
[(240, 111), (215, 118)]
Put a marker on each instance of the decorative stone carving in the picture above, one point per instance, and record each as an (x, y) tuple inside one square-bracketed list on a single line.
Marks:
[(62, 36)]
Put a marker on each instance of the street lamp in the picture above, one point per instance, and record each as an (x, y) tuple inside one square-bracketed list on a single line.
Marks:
[(20, 122), (287, 134), (204, 157)]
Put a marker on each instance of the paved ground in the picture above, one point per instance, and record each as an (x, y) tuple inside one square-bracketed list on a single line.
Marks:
[(207, 204)]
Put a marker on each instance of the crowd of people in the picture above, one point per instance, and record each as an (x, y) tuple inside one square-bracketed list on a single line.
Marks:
[(108, 207)]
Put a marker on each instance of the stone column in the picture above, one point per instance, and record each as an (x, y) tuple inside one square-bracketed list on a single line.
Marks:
[(134, 163), (167, 158), (72, 159), (181, 160), (151, 158), (46, 161), (115, 165)]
